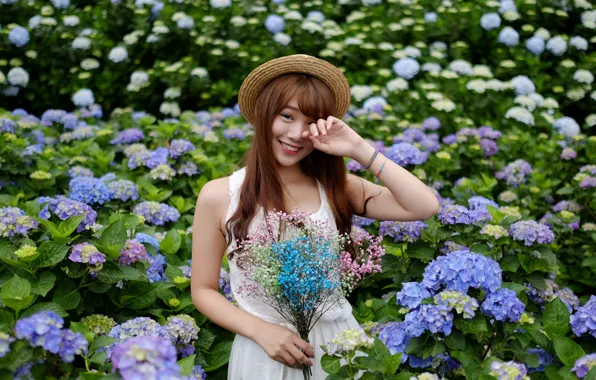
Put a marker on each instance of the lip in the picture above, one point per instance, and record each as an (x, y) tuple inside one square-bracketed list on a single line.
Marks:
[(293, 146), (289, 151)]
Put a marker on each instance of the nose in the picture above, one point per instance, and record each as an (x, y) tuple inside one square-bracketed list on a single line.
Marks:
[(295, 131)]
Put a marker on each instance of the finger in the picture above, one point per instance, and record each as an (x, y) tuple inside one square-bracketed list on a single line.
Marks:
[(322, 127), (330, 121), (281, 360), (300, 357), (292, 362), (313, 129), (306, 134), (306, 347)]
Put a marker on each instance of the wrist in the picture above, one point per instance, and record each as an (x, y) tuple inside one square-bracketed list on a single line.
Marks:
[(254, 326), (363, 153)]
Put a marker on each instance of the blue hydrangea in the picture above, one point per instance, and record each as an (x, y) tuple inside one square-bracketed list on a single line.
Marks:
[(157, 157), (402, 231), (145, 238), (136, 327), (455, 214), (5, 341), (123, 190), (374, 104), (544, 359), (479, 202), (188, 168), (7, 125), (146, 357), (275, 23), (225, 285), (566, 126), (433, 318), (19, 36), (395, 336), (515, 173), (89, 190), (179, 147), (583, 365), (508, 36), (523, 85), (234, 134), (128, 136), (412, 294), (360, 221), (508, 370), (431, 124), (404, 153), (503, 305), (461, 270), (490, 21), (43, 329), (60, 4), (406, 68), (584, 319), (556, 45), (14, 221), (535, 45), (198, 373), (83, 98), (156, 270), (531, 232), (181, 329), (72, 344), (156, 213)]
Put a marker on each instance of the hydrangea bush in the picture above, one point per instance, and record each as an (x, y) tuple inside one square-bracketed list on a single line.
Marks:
[(112, 121)]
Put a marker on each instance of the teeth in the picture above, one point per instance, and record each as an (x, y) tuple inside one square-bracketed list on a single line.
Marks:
[(290, 148)]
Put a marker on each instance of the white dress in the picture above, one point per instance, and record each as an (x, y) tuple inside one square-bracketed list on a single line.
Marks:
[(248, 361)]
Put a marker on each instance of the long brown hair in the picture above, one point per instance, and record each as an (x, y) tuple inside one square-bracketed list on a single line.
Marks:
[(262, 185)]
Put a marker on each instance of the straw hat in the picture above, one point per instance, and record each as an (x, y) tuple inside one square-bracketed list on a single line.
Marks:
[(254, 83)]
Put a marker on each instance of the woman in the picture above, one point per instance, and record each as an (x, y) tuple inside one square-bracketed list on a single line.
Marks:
[(295, 104)]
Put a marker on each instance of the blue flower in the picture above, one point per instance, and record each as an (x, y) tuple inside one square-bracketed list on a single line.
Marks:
[(523, 85), (146, 357), (136, 327), (275, 23), (461, 270), (156, 213), (490, 21), (395, 336), (72, 344), (455, 214), (508, 36), (406, 68), (544, 359), (89, 190), (19, 36), (179, 147), (433, 318), (123, 190), (41, 329), (156, 272), (404, 153), (412, 294), (503, 305), (535, 45), (430, 17), (584, 319), (5, 341), (515, 173), (402, 231), (83, 98), (531, 232), (60, 4)]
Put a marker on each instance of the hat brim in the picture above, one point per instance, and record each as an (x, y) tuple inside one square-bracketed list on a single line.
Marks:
[(256, 81)]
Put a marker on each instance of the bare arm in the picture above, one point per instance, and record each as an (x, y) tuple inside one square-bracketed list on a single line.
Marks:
[(403, 198), (208, 247)]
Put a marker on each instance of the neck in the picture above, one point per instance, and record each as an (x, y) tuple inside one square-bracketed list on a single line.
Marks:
[(289, 174)]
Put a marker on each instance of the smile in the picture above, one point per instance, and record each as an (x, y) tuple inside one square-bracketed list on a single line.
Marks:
[(289, 148)]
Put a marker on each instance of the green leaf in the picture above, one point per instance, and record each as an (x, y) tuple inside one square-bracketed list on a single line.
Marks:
[(392, 364), (379, 350), (67, 295), (66, 227), (44, 283), (7, 254), (517, 288), (101, 341), (433, 350), (91, 376), (51, 227), (131, 273), (416, 346), (542, 260), (110, 273), (219, 356), (402, 376), (50, 254), (138, 295), (186, 365), (567, 350), (45, 306), (6, 320), (473, 326), (591, 375), (370, 363), (509, 263), (556, 318), (171, 243), (205, 340), (114, 237), (421, 251), (16, 293), (455, 341), (330, 364)]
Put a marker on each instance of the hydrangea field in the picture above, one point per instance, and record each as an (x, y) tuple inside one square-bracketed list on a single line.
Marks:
[(113, 114)]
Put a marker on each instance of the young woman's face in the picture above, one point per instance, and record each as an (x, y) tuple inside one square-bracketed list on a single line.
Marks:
[(288, 145)]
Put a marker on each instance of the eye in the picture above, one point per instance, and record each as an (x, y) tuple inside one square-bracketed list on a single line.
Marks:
[(286, 115)]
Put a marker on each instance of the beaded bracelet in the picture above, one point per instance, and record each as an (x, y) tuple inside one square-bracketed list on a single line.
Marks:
[(372, 159), (381, 169)]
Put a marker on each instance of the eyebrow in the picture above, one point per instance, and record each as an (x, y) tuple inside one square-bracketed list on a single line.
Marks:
[(292, 108)]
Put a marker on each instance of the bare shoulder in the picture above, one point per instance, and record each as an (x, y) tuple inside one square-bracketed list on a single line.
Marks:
[(214, 198)]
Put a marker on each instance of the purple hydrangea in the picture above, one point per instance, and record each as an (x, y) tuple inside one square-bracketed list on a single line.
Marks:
[(7, 125), (156, 213), (544, 359), (198, 373), (234, 134), (402, 231), (431, 124), (129, 136), (503, 305), (145, 238), (412, 294), (583, 365), (479, 202), (87, 253), (433, 318), (395, 336), (225, 284), (132, 252), (65, 207), (354, 166), (136, 327), (588, 183), (515, 173), (89, 190), (79, 171), (14, 221), (144, 357), (123, 190), (179, 147), (181, 329), (157, 157), (138, 158), (361, 222), (584, 319), (188, 168), (72, 344), (455, 214), (43, 329), (461, 270), (489, 147), (508, 370), (489, 133), (156, 272), (404, 153), (531, 232)]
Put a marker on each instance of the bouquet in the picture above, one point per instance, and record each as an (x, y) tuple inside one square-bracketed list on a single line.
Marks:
[(303, 268)]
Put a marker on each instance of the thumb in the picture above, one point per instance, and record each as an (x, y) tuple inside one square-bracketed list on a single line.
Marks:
[(319, 145)]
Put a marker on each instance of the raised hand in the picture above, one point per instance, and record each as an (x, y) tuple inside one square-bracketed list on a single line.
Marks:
[(334, 136)]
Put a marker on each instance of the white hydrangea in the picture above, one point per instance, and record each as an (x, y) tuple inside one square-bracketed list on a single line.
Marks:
[(567, 126), (89, 64), (412, 52), (118, 54), (170, 108), (579, 43), (576, 94), (312, 27), (550, 103), (34, 22), (431, 67), (353, 41), (81, 43), (361, 92), (220, 3), (477, 85), (583, 4), (83, 97), (583, 76), (525, 101), (557, 45), (238, 21), (482, 71), (461, 67), (199, 72), (589, 19), (71, 20), (537, 98), (523, 85), (397, 84), (293, 15), (172, 93), (542, 33), (590, 120), (139, 78), (386, 46), (443, 105), (282, 39), (520, 114), (17, 76)]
